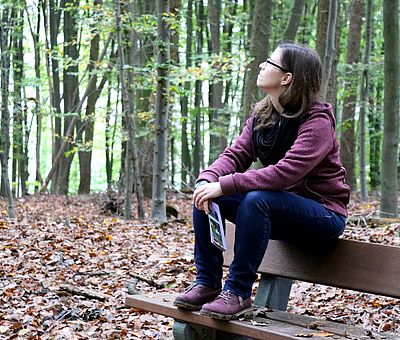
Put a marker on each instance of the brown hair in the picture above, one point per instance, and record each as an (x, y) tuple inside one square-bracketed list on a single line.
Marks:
[(303, 90)]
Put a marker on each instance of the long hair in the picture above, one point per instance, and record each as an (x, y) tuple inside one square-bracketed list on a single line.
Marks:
[(303, 90)]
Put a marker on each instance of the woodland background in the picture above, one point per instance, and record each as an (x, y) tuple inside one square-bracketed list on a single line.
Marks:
[(140, 96), (110, 109)]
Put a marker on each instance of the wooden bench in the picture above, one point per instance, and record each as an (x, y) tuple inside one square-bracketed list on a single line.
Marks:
[(360, 266)]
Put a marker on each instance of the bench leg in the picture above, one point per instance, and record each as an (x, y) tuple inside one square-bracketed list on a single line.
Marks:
[(187, 331), (273, 292)]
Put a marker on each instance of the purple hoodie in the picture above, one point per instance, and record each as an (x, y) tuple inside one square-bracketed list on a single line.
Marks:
[(310, 168)]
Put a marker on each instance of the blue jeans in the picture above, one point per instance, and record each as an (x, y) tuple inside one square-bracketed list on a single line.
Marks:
[(259, 216)]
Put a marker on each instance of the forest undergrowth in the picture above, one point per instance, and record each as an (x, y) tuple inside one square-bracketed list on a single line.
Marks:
[(59, 245)]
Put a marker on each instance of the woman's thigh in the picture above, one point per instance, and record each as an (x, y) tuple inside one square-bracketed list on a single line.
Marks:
[(294, 217)]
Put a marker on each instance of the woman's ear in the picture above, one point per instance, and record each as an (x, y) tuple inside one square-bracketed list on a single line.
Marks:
[(287, 78)]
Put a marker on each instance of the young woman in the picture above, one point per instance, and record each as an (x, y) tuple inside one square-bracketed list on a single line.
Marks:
[(299, 195)]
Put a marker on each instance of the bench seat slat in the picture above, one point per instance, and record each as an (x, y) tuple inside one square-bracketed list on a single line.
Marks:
[(279, 325), (349, 264)]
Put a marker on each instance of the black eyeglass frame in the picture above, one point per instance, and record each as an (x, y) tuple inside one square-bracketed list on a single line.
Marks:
[(276, 65)]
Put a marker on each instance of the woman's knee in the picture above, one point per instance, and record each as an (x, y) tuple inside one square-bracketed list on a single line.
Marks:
[(258, 199)]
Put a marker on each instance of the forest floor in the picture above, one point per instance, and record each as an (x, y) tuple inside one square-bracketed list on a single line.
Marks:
[(58, 242)]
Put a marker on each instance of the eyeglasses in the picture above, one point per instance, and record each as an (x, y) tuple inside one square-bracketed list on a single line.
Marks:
[(276, 65)]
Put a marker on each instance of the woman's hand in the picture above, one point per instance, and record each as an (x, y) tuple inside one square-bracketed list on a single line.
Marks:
[(204, 193)]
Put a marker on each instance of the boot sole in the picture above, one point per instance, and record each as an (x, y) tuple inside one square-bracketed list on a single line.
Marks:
[(187, 306), (246, 313)]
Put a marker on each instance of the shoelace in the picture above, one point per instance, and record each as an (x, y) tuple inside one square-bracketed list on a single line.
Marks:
[(191, 286), (226, 295)]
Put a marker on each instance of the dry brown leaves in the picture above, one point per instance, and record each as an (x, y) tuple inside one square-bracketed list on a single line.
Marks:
[(69, 240)]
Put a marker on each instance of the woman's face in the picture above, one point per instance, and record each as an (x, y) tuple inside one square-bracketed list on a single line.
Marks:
[(273, 76)]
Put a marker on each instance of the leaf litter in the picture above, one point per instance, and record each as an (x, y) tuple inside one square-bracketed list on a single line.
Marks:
[(59, 241)]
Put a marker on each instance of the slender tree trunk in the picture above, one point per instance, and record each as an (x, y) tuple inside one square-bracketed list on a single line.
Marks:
[(197, 156), (218, 120), (294, 22), (160, 165), (322, 29), (175, 10), (23, 158), (186, 159), (330, 47), (389, 176), (54, 18), (18, 164), (5, 56), (38, 111), (259, 49), (110, 130), (348, 139), (85, 155), (227, 47), (132, 171), (375, 125), (364, 102), (71, 91), (144, 97)]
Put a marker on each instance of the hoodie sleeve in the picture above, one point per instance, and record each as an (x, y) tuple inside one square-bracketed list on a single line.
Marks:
[(235, 159), (314, 141)]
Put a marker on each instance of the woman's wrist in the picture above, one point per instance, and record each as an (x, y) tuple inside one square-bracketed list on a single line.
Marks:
[(199, 183)]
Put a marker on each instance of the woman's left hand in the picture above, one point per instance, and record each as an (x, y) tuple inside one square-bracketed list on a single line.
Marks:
[(205, 192)]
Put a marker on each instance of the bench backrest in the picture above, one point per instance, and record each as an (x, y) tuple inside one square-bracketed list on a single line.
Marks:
[(361, 266)]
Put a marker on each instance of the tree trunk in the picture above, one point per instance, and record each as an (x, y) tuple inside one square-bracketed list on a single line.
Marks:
[(330, 47), (186, 168), (322, 29), (54, 18), (71, 91), (85, 155), (18, 162), (375, 127), (197, 156), (5, 56), (294, 22), (259, 49), (132, 171), (389, 176), (175, 10), (110, 131), (144, 97), (364, 107), (218, 120), (348, 140), (160, 165), (227, 46)]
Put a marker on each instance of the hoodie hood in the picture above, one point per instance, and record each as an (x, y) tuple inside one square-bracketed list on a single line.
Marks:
[(321, 107)]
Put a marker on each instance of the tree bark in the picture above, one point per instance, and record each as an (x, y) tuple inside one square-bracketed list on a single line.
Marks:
[(85, 155), (54, 18), (197, 154), (70, 93), (375, 128), (364, 107), (330, 47), (348, 139), (160, 164), (294, 22), (322, 28), (259, 49), (186, 168), (18, 155), (5, 56), (218, 120), (132, 171), (389, 176)]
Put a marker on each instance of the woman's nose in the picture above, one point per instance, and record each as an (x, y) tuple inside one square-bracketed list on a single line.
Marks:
[(261, 66)]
